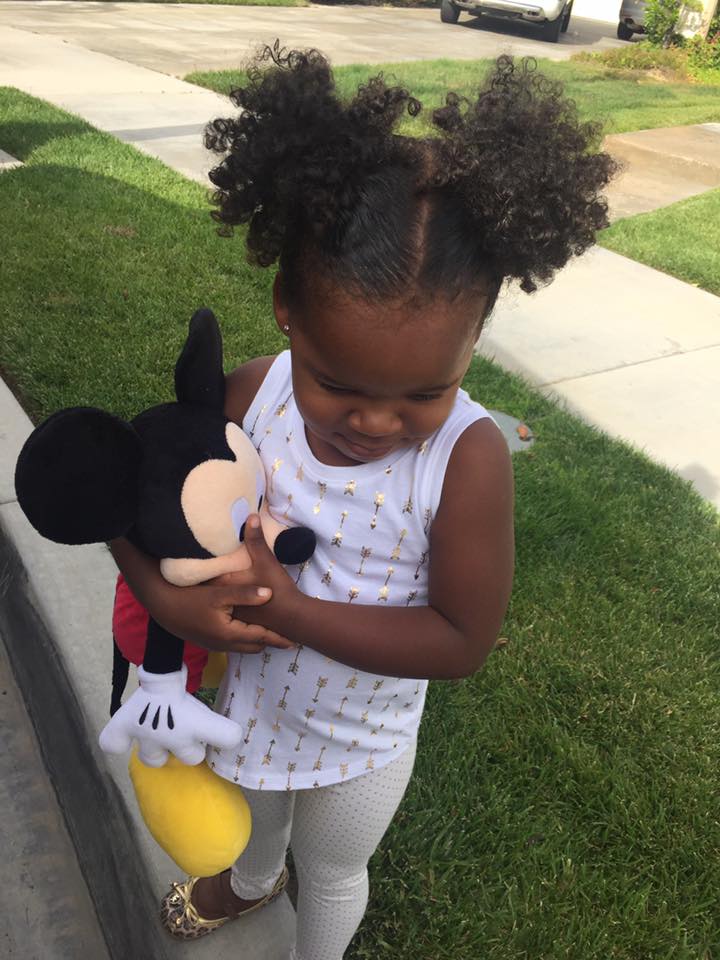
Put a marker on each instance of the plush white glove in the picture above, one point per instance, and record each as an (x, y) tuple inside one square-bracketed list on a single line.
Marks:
[(164, 718)]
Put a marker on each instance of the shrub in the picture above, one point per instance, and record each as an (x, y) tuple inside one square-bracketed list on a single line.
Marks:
[(662, 18), (704, 54), (634, 59)]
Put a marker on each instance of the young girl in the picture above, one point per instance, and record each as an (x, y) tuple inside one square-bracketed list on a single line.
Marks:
[(391, 253)]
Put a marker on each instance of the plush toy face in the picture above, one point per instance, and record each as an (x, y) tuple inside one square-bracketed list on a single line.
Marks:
[(219, 495)]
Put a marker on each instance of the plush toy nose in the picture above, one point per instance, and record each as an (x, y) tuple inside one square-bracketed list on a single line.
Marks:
[(241, 535)]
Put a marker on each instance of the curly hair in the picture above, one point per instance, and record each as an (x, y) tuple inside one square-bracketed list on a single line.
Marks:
[(508, 187)]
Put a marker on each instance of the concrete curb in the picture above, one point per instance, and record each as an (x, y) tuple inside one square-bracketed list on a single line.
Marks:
[(116, 877), (55, 612)]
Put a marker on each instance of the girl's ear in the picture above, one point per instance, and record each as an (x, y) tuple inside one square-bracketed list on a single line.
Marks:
[(280, 305), (199, 377), (77, 476)]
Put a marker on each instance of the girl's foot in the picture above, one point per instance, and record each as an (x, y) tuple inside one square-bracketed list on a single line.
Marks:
[(214, 897), (202, 904)]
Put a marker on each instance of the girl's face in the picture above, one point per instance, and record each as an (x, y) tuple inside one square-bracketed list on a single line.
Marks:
[(370, 379)]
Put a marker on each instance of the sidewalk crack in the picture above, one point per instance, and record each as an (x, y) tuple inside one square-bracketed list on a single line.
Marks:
[(627, 366)]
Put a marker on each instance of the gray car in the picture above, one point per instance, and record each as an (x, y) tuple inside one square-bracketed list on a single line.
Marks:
[(553, 16), (632, 19)]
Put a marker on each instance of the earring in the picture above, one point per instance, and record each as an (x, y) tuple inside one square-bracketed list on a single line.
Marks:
[(286, 328)]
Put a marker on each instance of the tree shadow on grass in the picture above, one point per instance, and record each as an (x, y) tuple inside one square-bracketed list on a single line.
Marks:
[(22, 139), (100, 278)]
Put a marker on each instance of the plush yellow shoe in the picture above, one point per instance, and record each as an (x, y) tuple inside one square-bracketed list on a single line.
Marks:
[(181, 919), (199, 819)]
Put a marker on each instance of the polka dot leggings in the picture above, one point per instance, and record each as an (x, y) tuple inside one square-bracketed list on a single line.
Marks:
[(333, 831)]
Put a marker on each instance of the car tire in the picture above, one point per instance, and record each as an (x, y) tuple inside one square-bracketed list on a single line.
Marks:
[(624, 32), (449, 13), (566, 18), (551, 29)]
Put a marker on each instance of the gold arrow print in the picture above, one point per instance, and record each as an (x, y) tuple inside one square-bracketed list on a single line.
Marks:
[(337, 539), (277, 463), (322, 487), (252, 428), (395, 555), (267, 759), (321, 682), (365, 554), (378, 502), (252, 723), (293, 668), (266, 658), (376, 686)]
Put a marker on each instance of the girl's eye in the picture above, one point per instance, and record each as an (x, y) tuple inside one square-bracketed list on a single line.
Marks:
[(333, 389), (425, 397)]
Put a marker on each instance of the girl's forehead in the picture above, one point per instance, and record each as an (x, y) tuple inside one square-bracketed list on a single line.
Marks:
[(375, 346)]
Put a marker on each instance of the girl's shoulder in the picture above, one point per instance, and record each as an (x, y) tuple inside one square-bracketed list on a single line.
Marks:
[(242, 385)]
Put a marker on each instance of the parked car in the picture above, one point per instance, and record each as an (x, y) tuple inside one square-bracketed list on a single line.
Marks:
[(553, 16), (632, 19)]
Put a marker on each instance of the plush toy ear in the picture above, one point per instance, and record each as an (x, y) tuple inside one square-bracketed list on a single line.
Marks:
[(199, 377), (77, 476)]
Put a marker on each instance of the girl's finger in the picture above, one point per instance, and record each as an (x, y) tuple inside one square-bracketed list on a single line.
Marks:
[(242, 596), (247, 648), (238, 578), (254, 633), (255, 541)]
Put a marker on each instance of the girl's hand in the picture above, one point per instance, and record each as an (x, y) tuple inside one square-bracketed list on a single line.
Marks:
[(203, 615), (265, 569)]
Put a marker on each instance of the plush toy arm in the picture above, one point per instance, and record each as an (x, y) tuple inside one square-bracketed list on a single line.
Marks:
[(164, 718), (290, 545)]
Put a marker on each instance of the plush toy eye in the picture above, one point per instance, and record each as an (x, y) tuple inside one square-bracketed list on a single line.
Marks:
[(239, 512), (260, 502)]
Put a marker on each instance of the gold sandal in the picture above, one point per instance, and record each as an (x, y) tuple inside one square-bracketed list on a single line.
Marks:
[(180, 918)]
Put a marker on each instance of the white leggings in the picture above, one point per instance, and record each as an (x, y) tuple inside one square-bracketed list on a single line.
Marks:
[(333, 832)]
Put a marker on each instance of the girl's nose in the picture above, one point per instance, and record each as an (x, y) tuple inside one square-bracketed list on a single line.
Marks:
[(375, 422)]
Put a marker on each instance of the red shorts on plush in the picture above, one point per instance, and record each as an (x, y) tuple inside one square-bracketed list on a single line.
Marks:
[(130, 622)]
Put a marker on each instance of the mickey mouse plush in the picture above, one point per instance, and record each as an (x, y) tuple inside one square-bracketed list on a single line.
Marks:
[(179, 481)]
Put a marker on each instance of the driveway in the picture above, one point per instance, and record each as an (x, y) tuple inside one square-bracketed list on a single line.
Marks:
[(179, 38)]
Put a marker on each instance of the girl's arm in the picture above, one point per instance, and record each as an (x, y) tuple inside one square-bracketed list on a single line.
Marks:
[(203, 614), (471, 570)]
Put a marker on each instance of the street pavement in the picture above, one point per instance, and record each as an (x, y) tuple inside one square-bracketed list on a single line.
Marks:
[(179, 38)]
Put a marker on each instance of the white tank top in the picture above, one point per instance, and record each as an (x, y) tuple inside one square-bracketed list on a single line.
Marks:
[(309, 721)]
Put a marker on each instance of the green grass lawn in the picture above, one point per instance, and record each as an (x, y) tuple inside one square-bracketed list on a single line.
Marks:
[(682, 239), (621, 104), (565, 798)]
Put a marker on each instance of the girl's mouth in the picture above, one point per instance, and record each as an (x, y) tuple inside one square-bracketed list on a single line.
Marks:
[(368, 451)]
